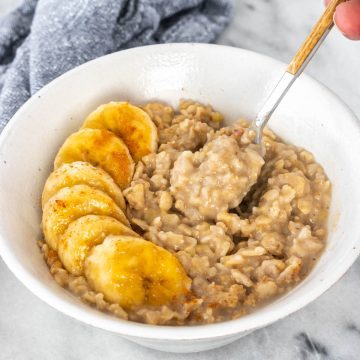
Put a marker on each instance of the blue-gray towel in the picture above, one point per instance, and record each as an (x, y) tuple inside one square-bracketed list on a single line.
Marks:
[(42, 39)]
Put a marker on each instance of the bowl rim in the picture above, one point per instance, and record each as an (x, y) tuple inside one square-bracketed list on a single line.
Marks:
[(161, 332)]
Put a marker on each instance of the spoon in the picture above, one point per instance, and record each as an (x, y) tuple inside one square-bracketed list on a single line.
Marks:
[(296, 67)]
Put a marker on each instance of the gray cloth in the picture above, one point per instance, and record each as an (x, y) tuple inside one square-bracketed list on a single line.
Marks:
[(42, 39)]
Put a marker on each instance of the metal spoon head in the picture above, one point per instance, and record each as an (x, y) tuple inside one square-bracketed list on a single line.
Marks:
[(257, 127), (258, 144)]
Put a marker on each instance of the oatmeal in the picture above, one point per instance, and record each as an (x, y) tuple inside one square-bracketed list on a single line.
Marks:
[(244, 227), (214, 179)]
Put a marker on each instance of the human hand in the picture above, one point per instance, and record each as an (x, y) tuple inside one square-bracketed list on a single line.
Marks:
[(347, 18)]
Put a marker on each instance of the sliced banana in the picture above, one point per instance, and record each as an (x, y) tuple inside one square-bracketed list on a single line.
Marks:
[(130, 123), (69, 204), (80, 172), (84, 233), (131, 272), (100, 148)]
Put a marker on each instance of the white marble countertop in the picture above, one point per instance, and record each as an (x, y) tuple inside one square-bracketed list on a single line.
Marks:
[(329, 328)]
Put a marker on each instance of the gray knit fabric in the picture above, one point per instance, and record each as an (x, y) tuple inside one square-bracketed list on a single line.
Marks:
[(42, 39)]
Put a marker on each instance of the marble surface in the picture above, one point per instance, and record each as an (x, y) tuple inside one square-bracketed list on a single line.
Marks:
[(329, 328)]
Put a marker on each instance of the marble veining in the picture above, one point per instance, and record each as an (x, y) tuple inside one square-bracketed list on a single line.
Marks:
[(329, 328)]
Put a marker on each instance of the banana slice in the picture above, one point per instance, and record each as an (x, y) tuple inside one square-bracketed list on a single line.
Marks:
[(79, 172), (131, 271), (130, 123), (100, 148), (84, 233), (70, 203)]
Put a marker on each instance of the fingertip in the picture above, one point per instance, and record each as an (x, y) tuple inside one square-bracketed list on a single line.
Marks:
[(347, 19)]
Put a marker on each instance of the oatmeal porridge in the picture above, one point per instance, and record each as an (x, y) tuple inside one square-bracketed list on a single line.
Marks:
[(217, 229)]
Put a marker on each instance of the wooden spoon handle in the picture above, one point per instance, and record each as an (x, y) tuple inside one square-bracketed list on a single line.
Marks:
[(317, 34)]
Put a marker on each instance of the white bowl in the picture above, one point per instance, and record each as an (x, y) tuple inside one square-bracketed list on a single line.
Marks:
[(235, 82)]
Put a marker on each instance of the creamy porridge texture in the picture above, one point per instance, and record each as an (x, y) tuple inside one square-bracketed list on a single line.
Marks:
[(245, 228)]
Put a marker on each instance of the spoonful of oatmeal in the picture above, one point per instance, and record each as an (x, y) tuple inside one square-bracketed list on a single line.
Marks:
[(296, 67)]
